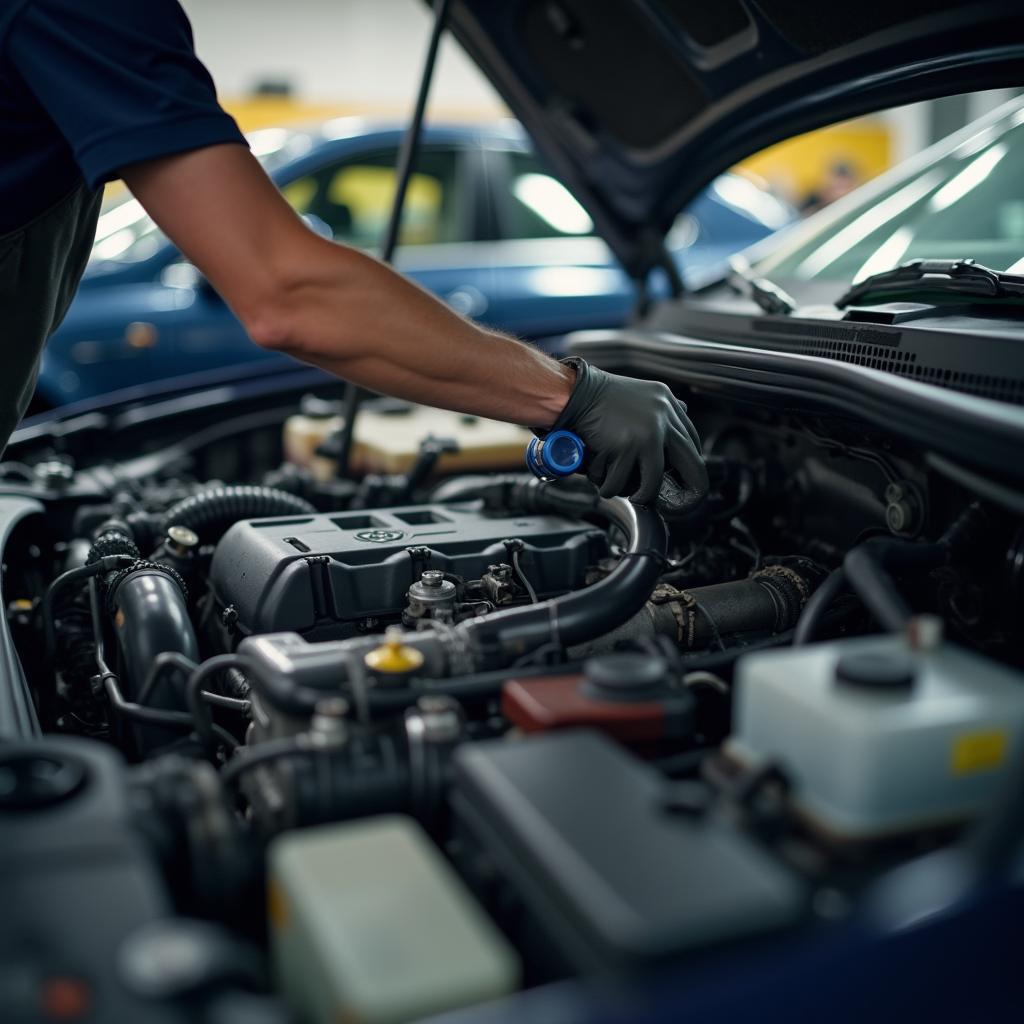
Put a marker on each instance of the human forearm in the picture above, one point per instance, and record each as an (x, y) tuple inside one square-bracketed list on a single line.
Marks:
[(342, 310), (331, 305), (360, 320)]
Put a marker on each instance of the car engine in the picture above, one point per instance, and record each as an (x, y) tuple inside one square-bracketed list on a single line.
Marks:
[(398, 743)]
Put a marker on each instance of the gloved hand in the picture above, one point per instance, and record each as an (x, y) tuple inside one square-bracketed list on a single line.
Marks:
[(634, 430)]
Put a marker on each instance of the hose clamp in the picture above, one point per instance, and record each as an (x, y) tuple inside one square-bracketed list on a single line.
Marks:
[(141, 565), (683, 607)]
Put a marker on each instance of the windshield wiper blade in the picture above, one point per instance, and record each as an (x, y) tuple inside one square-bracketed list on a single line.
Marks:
[(954, 277), (768, 295)]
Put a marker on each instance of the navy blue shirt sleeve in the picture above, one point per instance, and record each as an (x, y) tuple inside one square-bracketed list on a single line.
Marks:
[(120, 79)]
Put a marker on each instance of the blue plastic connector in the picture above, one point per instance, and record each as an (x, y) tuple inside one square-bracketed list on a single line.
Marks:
[(557, 455)]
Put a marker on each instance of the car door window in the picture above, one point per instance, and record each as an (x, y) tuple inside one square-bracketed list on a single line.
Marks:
[(353, 197), (538, 205)]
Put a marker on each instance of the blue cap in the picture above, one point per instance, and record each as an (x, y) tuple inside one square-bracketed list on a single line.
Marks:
[(559, 454)]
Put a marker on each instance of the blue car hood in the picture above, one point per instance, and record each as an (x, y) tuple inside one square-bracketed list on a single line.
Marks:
[(637, 104)]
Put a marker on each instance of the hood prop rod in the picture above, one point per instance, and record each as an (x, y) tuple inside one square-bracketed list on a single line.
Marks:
[(406, 162)]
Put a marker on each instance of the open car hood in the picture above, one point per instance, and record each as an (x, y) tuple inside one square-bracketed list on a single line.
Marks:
[(637, 104)]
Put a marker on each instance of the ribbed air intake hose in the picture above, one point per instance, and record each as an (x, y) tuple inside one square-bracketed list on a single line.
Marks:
[(209, 513), (148, 605)]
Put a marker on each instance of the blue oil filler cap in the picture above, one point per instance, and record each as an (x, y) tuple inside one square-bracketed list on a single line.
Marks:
[(557, 455)]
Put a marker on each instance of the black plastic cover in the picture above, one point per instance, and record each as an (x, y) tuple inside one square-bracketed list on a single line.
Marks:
[(583, 833), (76, 882), (316, 574), (17, 712)]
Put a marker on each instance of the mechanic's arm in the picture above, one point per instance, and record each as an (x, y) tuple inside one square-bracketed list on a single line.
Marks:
[(352, 315)]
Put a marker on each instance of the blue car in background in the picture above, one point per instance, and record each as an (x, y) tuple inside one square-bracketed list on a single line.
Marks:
[(486, 228)]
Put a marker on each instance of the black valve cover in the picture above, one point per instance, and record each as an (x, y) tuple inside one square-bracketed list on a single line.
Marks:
[(319, 575)]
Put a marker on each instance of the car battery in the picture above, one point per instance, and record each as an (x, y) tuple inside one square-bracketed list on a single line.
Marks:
[(878, 738), (628, 696), (598, 862)]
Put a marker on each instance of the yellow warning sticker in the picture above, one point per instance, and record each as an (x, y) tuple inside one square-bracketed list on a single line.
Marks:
[(277, 907), (978, 751)]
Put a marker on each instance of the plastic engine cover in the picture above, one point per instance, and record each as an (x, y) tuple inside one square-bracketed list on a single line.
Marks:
[(319, 575), (585, 836)]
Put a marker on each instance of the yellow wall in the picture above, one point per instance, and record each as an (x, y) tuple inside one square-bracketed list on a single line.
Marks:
[(799, 166), (280, 111), (794, 168)]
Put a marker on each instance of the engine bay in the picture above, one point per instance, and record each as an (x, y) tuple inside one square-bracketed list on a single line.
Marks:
[(411, 741)]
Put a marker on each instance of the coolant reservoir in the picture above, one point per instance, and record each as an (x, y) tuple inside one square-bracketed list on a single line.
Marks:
[(388, 441), (303, 435), (877, 738)]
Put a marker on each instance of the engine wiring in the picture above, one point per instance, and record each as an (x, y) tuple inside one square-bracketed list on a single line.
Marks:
[(527, 585)]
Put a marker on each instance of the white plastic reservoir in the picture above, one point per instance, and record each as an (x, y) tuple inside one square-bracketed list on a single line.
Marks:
[(877, 738)]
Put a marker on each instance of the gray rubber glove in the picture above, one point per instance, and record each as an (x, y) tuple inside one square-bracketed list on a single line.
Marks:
[(634, 431)]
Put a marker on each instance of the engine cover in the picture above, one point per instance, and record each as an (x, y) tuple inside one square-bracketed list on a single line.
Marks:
[(319, 575)]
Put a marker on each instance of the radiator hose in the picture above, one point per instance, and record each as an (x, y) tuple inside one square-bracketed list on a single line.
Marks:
[(499, 639), (148, 605)]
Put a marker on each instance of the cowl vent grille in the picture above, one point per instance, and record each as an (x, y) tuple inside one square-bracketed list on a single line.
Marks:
[(883, 350), (906, 364)]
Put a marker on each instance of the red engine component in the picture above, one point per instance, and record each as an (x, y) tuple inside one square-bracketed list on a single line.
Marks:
[(627, 696)]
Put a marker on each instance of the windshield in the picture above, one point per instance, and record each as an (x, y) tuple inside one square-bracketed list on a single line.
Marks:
[(962, 198), (127, 234)]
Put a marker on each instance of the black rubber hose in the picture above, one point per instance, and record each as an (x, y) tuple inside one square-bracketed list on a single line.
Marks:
[(494, 488), (471, 487), (151, 618), (209, 513), (264, 753), (874, 586), (865, 572), (177, 720), (194, 696), (161, 663), (769, 601), (501, 638), (112, 542), (817, 605), (573, 496), (82, 573)]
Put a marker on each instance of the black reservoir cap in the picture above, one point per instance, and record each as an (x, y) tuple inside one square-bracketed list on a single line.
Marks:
[(876, 670), (625, 677)]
